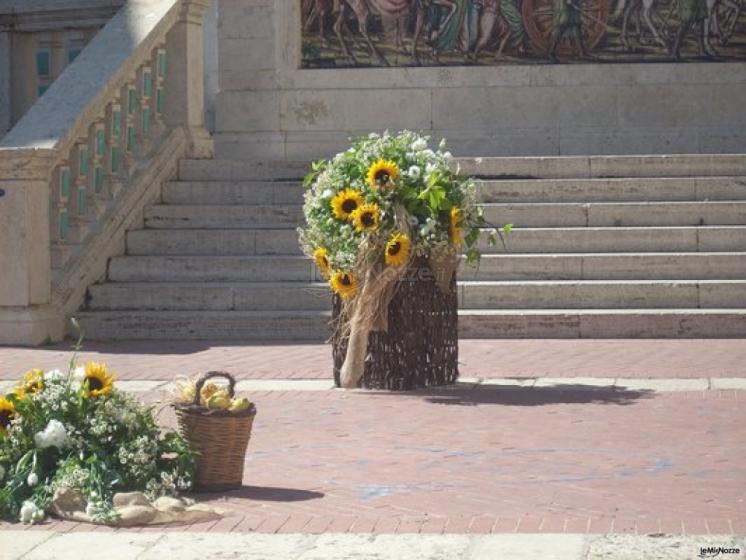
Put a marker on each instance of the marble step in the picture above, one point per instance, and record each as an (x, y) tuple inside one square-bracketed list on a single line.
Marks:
[(538, 190), (531, 214), (585, 294), (514, 323), (532, 167), (570, 266)]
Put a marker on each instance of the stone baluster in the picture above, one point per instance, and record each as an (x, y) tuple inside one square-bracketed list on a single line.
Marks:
[(114, 135), (145, 117), (79, 197), (129, 94), (99, 191), (160, 80), (60, 215)]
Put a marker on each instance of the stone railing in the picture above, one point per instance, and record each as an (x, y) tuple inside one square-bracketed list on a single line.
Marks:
[(80, 166)]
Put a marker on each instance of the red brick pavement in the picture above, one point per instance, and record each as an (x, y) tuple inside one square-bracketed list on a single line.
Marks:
[(490, 460), (479, 358)]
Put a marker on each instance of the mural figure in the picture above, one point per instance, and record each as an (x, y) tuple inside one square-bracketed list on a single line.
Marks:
[(348, 33)]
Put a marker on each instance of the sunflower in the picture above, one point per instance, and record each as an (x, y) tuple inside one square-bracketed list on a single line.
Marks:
[(367, 217), (33, 381), (397, 249), (7, 413), (344, 283), (321, 257), (455, 227), (97, 382), (383, 174), (345, 203)]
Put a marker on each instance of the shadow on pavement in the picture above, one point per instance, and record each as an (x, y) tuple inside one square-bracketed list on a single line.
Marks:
[(535, 396), (271, 494), (166, 347)]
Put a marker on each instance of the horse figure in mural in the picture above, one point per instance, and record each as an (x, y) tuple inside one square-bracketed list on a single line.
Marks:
[(395, 13), (644, 8)]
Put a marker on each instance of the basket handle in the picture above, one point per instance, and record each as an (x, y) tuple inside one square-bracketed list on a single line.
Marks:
[(209, 375)]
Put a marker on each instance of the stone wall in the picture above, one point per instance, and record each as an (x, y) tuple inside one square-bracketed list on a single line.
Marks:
[(269, 107)]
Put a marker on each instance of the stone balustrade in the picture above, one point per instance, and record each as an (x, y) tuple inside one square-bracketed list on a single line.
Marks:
[(78, 168)]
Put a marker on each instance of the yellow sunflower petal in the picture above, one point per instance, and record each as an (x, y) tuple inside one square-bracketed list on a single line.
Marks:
[(345, 203), (397, 249), (344, 283), (383, 174), (97, 380), (367, 217), (7, 413), (455, 228), (321, 258)]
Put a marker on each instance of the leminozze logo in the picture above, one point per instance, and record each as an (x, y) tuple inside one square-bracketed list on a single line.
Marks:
[(712, 551)]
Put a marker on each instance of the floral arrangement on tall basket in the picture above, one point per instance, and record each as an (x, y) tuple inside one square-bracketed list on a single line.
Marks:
[(387, 223)]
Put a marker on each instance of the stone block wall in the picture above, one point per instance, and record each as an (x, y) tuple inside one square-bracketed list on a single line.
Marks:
[(269, 107)]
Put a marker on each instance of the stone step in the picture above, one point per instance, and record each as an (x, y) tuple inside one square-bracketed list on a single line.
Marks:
[(603, 294), (532, 214), (613, 190), (271, 216), (233, 192), (213, 242), (603, 323), (521, 240), (575, 214), (609, 266), (213, 296), (206, 325), (547, 167), (248, 296), (570, 266), (675, 165), (499, 191), (313, 325)]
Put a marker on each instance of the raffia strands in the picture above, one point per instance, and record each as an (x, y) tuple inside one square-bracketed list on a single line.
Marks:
[(420, 347), (368, 311)]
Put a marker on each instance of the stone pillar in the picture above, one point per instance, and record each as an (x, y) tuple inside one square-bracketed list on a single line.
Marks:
[(4, 83), (185, 99), (25, 283)]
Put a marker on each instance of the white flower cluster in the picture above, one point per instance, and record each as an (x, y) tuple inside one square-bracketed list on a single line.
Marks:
[(168, 485), (30, 513), (54, 435)]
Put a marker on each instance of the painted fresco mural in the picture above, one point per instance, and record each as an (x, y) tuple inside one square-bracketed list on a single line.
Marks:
[(349, 33)]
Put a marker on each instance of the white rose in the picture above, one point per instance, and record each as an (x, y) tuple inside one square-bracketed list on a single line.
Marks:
[(327, 193), (54, 435), (448, 156), (414, 172), (419, 145), (428, 154), (79, 373), (30, 513), (33, 479)]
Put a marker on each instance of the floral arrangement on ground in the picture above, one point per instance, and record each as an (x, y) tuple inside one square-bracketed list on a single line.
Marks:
[(76, 431), (372, 209)]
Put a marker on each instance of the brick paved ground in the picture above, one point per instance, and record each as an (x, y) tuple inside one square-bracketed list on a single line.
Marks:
[(479, 358), (490, 460)]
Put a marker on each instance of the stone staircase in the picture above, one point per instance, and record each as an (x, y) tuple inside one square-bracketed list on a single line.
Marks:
[(617, 246)]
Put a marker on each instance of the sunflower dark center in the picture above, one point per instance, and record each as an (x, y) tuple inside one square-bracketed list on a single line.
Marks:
[(394, 248), (383, 177), (94, 383), (34, 386), (367, 219), (349, 206), (345, 280), (5, 417)]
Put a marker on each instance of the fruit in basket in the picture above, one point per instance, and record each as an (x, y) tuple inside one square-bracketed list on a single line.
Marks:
[(237, 405), (208, 390), (220, 400)]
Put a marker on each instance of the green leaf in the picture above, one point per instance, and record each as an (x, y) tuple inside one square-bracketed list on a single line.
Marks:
[(506, 229)]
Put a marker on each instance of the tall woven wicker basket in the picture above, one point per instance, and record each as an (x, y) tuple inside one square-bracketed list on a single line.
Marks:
[(420, 348), (219, 437)]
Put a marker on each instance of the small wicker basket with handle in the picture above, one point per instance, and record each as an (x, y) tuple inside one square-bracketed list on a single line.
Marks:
[(219, 437)]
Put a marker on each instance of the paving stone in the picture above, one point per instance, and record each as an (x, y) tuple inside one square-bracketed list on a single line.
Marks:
[(664, 547)]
